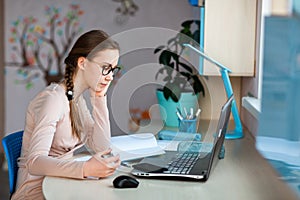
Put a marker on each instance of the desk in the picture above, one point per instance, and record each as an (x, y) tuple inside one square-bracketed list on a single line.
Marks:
[(243, 174)]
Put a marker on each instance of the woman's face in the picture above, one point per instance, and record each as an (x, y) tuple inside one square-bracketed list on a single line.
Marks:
[(98, 72)]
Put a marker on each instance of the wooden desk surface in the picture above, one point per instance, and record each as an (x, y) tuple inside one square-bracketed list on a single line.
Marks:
[(243, 174)]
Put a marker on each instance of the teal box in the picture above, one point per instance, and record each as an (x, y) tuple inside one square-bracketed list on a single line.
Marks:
[(178, 136)]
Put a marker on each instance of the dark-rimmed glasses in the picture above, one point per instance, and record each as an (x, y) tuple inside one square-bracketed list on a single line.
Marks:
[(107, 68)]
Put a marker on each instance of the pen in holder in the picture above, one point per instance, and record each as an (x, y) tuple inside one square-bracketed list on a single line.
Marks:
[(188, 123)]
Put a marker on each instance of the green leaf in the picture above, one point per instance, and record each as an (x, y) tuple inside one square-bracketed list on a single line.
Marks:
[(178, 74), (179, 79), (185, 33), (159, 49), (197, 85), (171, 90), (185, 38), (172, 40), (187, 23), (186, 75), (176, 93), (167, 79), (171, 65), (165, 57), (29, 85), (186, 67), (174, 55), (198, 22), (160, 71), (167, 92), (196, 36), (175, 97)]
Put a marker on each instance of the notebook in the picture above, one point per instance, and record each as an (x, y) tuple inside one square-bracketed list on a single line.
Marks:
[(189, 165)]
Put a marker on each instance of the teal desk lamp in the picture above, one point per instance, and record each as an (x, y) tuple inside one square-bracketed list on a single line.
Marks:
[(238, 131)]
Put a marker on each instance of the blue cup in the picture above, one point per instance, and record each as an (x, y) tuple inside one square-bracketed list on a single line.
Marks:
[(188, 125)]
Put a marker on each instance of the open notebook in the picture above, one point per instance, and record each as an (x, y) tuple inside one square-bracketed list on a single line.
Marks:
[(133, 146)]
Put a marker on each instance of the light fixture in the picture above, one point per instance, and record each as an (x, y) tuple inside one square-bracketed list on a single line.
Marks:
[(238, 131)]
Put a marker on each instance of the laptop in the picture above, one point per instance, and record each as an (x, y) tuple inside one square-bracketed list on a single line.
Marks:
[(190, 165)]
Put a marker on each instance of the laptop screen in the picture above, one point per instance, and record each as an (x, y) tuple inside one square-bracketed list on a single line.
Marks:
[(221, 131)]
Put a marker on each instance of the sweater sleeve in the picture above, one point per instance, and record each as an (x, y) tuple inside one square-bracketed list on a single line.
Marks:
[(99, 135), (47, 110)]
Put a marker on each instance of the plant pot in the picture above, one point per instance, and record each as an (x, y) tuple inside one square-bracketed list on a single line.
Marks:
[(168, 107)]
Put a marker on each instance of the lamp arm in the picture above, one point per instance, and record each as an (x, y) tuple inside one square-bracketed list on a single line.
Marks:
[(208, 58), (238, 132)]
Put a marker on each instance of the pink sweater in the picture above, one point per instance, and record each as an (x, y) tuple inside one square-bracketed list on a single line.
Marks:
[(48, 142)]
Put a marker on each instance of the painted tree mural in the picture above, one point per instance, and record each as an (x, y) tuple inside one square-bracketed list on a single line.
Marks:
[(38, 49)]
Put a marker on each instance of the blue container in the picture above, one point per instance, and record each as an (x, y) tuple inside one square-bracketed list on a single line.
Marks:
[(187, 125), (168, 107), (178, 136)]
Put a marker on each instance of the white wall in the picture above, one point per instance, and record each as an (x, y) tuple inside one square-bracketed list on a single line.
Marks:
[(1, 71), (167, 14)]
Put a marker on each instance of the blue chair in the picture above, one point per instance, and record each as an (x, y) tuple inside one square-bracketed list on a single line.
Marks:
[(12, 145)]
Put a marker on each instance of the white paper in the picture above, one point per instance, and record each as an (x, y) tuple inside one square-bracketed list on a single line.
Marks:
[(168, 145), (132, 146), (135, 146)]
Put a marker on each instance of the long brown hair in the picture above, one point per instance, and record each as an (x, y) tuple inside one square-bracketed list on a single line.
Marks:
[(87, 45)]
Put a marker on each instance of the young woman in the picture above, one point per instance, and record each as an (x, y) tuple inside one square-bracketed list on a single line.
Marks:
[(58, 120)]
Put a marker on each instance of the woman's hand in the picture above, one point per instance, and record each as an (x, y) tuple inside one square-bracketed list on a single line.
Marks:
[(99, 166)]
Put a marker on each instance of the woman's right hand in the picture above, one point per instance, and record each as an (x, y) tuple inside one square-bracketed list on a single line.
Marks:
[(99, 166)]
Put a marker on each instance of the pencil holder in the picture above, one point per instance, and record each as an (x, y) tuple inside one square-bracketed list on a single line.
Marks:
[(188, 125)]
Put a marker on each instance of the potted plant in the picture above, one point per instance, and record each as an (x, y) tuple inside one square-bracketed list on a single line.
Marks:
[(180, 76)]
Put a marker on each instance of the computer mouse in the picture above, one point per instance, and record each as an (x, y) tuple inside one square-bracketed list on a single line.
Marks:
[(125, 181)]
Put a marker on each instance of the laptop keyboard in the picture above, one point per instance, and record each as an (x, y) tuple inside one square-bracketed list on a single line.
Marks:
[(183, 163)]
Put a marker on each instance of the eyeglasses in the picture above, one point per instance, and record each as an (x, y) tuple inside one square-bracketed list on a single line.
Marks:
[(107, 68)]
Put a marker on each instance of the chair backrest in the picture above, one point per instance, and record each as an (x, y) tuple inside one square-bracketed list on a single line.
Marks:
[(12, 145)]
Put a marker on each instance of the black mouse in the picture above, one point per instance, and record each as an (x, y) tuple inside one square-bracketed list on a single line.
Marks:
[(125, 181)]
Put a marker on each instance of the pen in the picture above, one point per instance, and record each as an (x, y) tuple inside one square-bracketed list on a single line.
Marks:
[(179, 111), (198, 112), (185, 112), (179, 116)]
